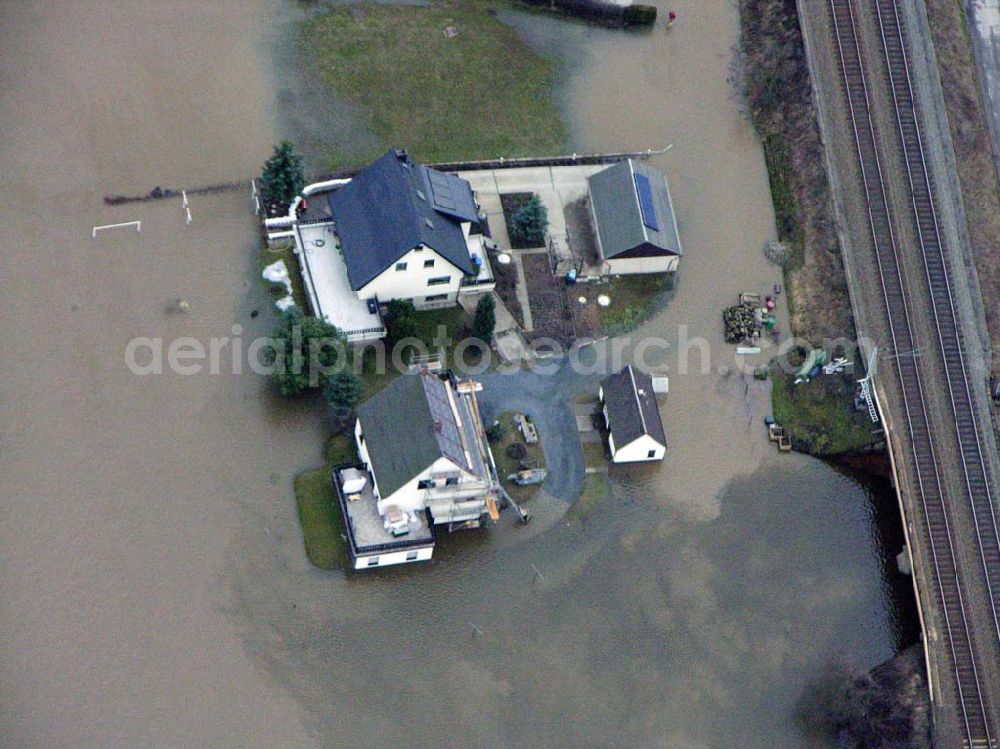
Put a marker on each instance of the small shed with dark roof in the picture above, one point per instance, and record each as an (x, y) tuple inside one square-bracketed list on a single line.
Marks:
[(632, 416), (633, 218)]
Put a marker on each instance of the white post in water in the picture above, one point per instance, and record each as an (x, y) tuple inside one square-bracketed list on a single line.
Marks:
[(187, 209), (256, 197), (136, 224)]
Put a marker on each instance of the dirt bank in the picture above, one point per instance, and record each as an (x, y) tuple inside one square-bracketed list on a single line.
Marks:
[(974, 156), (888, 706), (779, 99)]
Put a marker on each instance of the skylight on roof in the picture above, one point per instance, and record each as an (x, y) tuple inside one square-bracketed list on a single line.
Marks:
[(645, 192)]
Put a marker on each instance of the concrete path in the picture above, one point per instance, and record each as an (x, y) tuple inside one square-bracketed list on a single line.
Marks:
[(555, 186), (522, 295), (511, 346), (505, 320)]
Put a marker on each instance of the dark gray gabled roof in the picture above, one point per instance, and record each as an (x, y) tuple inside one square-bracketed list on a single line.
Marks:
[(632, 409), (633, 211), (394, 205), (407, 426)]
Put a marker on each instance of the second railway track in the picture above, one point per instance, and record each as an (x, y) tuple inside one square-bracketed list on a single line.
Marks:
[(950, 591)]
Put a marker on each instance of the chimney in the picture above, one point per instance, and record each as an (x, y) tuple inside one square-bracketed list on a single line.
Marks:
[(437, 425)]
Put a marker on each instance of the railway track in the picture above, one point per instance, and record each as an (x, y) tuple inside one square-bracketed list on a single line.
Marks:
[(976, 473), (950, 591)]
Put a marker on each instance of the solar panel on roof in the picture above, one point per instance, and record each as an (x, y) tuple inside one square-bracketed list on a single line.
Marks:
[(441, 189), (645, 193)]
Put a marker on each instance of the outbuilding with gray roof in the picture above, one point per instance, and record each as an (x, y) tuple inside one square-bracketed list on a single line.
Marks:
[(633, 219)]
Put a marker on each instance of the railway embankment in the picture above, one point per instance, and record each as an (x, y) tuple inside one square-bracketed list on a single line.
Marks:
[(780, 104)]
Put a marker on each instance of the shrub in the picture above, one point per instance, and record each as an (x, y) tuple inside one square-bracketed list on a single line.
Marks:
[(342, 391), (640, 15), (516, 451), (282, 179), (494, 432), (304, 349), (529, 224), (399, 321), (485, 320), (777, 252)]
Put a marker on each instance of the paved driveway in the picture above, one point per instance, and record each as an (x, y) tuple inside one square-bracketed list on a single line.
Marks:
[(548, 400)]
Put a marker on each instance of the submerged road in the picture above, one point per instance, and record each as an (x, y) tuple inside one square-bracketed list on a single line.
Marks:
[(908, 289)]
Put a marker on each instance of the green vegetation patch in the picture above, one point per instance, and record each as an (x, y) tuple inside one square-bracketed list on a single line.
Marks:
[(426, 326), (508, 464), (635, 299), (340, 448), (787, 216), (446, 81), (322, 524), (596, 491), (526, 219), (595, 456), (319, 511), (285, 252), (819, 415)]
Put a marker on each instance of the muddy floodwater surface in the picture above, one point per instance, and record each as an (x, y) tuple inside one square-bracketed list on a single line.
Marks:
[(153, 585)]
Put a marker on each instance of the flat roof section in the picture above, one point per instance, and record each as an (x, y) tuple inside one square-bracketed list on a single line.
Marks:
[(366, 528), (331, 291)]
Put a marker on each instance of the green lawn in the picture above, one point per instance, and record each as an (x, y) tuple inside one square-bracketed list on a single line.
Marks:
[(454, 321), (820, 414), (595, 455), (634, 300), (482, 93), (596, 491), (340, 448), (507, 465), (319, 514)]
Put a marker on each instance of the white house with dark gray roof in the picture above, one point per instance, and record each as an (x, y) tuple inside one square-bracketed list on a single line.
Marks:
[(635, 430), (633, 218), (423, 443), (396, 230)]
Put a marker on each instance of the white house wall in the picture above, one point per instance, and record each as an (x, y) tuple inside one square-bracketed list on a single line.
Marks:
[(411, 497), (386, 559), (412, 282), (638, 450), (628, 266)]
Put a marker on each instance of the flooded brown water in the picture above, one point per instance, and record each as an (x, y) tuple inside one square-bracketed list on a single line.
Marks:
[(153, 588)]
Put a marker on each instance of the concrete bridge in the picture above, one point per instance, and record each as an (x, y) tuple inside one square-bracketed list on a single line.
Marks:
[(914, 294)]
